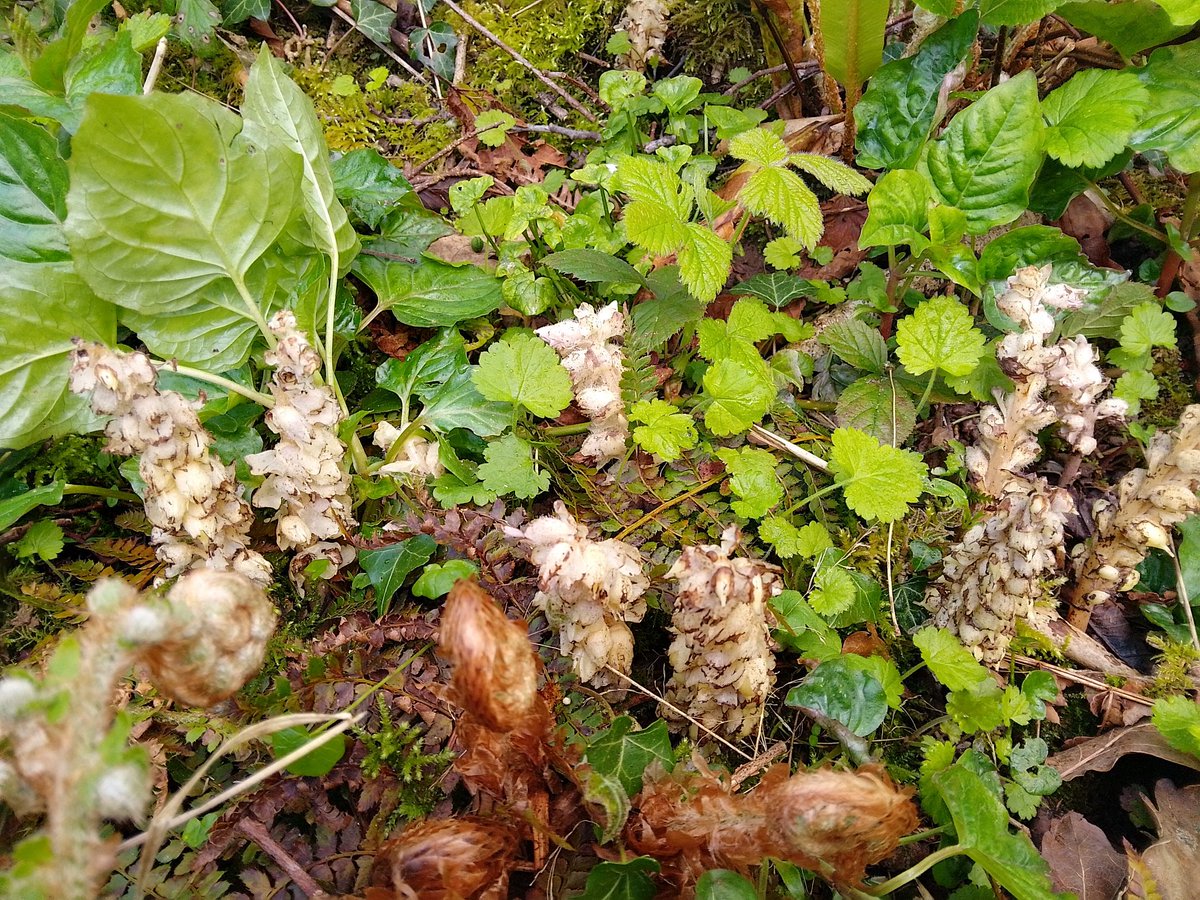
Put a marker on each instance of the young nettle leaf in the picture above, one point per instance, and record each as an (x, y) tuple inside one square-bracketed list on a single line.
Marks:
[(1092, 116), (658, 219), (664, 430), (523, 370), (752, 479), (808, 541), (878, 481), (510, 469), (739, 396), (987, 159), (940, 335)]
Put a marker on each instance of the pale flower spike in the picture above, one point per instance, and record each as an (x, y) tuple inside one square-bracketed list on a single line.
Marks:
[(721, 654), (306, 478), (192, 499), (419, 456), (589, 590), (996, 576), (593, 360)]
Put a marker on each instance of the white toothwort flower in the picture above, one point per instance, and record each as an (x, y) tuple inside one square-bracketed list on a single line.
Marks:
[(721, 654), (589, 591), (418, 456), (590, 355), (192, 499), (306, 479)]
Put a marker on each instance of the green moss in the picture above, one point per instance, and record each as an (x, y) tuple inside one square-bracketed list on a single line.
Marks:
[(382, 119), (1175, 391), (714, 36)]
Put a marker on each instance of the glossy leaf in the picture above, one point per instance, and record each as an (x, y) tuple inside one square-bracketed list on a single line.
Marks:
[(1015, 12), (369, 184), (318, 761), (387, 568), (429, 294), (846, 694), (622, 753), (1172, 119), (593, 266), (1092, 116), (1131, 26)]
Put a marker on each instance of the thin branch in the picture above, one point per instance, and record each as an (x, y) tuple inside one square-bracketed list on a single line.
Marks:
[(575, 134), (771, 439), (156, 64), (258, 833)]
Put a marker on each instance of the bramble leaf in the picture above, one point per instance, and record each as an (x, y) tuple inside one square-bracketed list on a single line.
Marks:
[(833, 173)]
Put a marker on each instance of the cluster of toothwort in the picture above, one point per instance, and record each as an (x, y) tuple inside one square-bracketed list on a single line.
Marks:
[(1150, 502), (306, 478), (192, 499), (67, 759), (589, 591), (590, 355), (996, 576), (721, 653)]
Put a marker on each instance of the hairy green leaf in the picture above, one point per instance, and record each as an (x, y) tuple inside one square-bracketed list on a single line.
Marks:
[(663, 429), (879, 481), (941, 335), (950, 662), (857, 343), (740, 396), (752, 479), (875, 406), (524, 370), (510, 469)]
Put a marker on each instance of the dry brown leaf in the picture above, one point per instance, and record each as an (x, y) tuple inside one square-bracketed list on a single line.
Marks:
[(1141, 884), (1174, 859), (835, 823), (1088, 224), (1082, 860), (458, 249), (1100, 754)]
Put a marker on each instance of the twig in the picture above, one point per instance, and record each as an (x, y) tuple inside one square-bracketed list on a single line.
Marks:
[(667, 140), (595, 60), (156, 64), (771, 439), (429, 48), (779, 42), (575, 134), (534, 70), (258, 833), (856, 748), (387, 51)]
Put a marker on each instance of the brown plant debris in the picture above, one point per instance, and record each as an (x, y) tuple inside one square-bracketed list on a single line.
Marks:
[(833, 823), (445, 859)]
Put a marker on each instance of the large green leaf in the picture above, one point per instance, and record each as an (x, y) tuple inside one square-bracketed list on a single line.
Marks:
[(45, 306), (843, 693), (1182, 12), (1092, 116), (895, 115), (275, 110), (50, 68), (1131, 26), (1172, 119), (981, 822), (12, 508), (33, 194), (898, 211), (987, 159), (170, 205), (430, 294), (852, 34)]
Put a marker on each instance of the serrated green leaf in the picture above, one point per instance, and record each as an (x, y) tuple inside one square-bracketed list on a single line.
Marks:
[(740, 396), (752, 479), (833, 173), (875, 406), (950, 662), (525, 371), (44, 539), (844, 693), (387, 568), (664, 430), (895, 115), (655, 184), (463, 195), (987, 159), (783, 253), (624, 754), (759, 147), (1092, 116), (941, 335), (651, 227), (878, 481), (491, 126), (857, 343), (1134, 387), (782, 197), (704, 261), (510, 469), (1147, 326), (898, 212), (833, 590), (801, 629), (1178, 720), (749, 322)]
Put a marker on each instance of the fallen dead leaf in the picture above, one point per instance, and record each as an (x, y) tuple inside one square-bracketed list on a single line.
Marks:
[(1082, 860), (1174, 859), (1100, 754)]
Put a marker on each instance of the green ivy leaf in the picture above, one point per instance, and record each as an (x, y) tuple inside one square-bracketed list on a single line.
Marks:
[(622, 881), (896, 114), (622, 753), (752, 479), (664, 430), (841, 692), (524, 370), (437, 578), (981, 823), (941, 335), (987, 159), (510, 469), (739, 396), (776, 288), (878, 481), (1178, 720), (387, 568), (950, 662), (1092, 116)]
